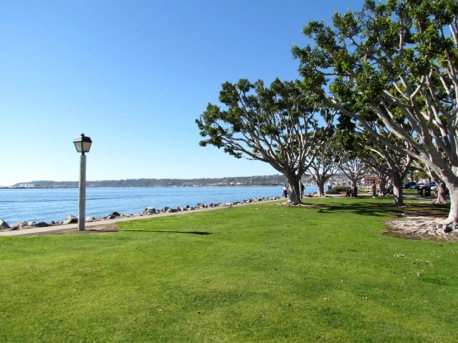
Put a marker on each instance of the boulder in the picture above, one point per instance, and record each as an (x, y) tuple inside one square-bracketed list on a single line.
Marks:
[(70, 220), (39, 224), (149, 210), (20, 225), (4, 225), (112, 215)]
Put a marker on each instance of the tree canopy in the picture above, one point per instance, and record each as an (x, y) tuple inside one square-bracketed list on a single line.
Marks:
[(395, 63), (276, 125)]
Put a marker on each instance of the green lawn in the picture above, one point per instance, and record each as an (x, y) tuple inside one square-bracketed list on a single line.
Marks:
[(256, 273)]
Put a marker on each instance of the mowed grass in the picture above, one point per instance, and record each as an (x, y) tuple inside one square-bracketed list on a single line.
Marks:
[(256, 273)]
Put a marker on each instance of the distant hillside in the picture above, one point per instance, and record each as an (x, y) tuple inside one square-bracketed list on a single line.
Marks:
[(265, 180)]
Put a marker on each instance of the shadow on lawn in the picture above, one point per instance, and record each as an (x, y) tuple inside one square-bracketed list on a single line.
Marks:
[(367, 209), (200, 233), (379, 209)]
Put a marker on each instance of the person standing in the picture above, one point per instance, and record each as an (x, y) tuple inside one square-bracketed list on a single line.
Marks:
[(374, 189)]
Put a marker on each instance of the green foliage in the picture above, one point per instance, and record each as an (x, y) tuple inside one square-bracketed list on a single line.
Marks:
[(388, 48), (277, 125), (391, 71), (337, 190), (259, 122), (257, 273)]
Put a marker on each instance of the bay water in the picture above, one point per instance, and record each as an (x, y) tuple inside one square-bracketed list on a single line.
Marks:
[(55, 204)]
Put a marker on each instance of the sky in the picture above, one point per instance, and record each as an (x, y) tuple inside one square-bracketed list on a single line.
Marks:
[(133, 75)]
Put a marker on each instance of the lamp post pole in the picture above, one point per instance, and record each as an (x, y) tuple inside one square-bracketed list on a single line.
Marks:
[(82, 145), (82, 194)]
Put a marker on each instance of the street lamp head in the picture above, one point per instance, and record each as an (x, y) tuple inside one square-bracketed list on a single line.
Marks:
[(82, 143)]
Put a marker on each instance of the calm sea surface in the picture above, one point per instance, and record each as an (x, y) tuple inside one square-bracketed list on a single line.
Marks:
[(56, 204)]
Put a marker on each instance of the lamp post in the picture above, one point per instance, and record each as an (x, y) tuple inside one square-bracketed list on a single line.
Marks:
[(82, 145)]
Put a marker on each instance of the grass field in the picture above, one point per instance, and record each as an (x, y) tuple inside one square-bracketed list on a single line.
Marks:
[(255, 273)]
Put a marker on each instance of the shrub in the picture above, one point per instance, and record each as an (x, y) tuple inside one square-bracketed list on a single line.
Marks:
[(337, 190)]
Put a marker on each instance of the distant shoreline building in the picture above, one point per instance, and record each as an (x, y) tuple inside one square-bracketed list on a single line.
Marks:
[(26, 185), (369, 179)]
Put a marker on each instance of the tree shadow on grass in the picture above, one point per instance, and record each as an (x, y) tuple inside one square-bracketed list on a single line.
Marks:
[(382, 209), (200, 233), (366, 209)]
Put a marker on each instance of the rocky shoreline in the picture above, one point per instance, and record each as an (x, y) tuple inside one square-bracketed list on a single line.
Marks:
[(27, 225)]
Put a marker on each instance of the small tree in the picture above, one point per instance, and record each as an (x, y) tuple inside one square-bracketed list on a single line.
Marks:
[(396, 166), (354, 169), (275, 124), (379, 167), (325, 164), (386, 160)]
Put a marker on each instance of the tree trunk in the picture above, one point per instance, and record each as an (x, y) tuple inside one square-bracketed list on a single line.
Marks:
[(320, 188), (453, 214), (355, 188), (398, 198), (320, 181), (382, 186), (450, 181), (441, 193), (294, 191)]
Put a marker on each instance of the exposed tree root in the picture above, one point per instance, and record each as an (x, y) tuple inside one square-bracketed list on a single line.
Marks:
[(450, 221), (429, 227)]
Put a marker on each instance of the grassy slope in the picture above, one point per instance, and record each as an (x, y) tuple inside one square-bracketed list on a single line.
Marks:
[(259, 273)]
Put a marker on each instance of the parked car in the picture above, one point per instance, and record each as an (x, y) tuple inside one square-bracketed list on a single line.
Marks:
[(429, 185), (417, 186), (425, 188), (408, 185)]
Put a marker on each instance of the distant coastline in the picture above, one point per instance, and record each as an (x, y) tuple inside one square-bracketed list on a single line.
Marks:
[(55, 204), (242, 181)]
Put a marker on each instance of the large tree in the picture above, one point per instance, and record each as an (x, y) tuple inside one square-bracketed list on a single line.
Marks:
[(397, 62), (277, 125)]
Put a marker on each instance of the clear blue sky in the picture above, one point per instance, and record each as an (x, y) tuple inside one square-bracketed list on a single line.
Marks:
[(134, 75)]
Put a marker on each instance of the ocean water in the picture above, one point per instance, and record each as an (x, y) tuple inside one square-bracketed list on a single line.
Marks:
[(55, 204)]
